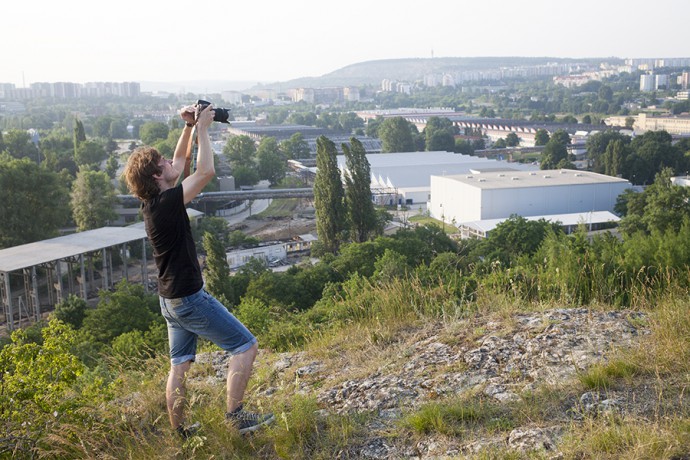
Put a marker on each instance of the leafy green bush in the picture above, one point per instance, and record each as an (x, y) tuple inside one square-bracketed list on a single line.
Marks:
[(254, 314), (36, 388), (71, 311), (126, 309)]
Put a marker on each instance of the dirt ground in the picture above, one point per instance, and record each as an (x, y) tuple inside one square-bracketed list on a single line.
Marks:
[(277, 229), (302, 221)]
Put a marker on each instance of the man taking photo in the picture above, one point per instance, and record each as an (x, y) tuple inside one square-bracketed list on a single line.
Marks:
[(190, 312)]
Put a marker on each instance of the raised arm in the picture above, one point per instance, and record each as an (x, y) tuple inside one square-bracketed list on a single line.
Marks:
[(205, 170), (184, 143)]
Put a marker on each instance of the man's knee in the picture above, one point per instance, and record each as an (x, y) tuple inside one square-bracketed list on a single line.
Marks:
[(179, 370), (250, 352), (254, 349)]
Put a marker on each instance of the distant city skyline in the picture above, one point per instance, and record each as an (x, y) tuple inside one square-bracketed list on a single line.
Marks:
[(175, 41)]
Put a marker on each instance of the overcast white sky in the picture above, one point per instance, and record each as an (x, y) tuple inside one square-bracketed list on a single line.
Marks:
[(277, 40)]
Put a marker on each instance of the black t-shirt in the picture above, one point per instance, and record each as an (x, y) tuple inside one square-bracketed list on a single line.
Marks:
[(168, 229)]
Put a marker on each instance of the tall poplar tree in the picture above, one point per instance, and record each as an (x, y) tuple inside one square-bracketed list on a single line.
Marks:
[(361, 216), (79, 135), (328, 196), (217, 270)]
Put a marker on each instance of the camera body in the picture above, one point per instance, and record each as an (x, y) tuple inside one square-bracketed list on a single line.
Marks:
[(219, 114)]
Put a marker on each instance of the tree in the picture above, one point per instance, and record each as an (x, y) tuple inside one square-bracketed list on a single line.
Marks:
[(514, 237), (118, 129), (110, 146), (216, 270), (614, 158), (93, 200), (463, 146), (216, 226), (569, 119), (660, 208), (295, 147), (541, 137), (101, 127), (478, 144), (35, 202), (111, 166), (596, 146), (396, 135), (422, 244), (153, 131), (555, 151), (89, 153), (79, 135), (245, 176), (271, 163), (373, 125), (439, 134), (38, 382), (19, 145), (512, 140), (71, 311), (668, 205), (499, 144), (58, 149), (652, 152), (605, 93), (238, 238), (390, 266), (126, 309), (254, 314), (240, 151), (328, 196), (360, 209), (350, 121), (561, 136)]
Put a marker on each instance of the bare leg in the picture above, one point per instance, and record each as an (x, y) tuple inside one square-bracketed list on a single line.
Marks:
[(239, 370), (175, 393)]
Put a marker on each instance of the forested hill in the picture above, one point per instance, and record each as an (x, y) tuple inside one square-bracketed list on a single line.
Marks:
[(412, 69)]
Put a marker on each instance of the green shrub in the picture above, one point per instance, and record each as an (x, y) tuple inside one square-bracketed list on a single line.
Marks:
[(71, 311), (254, 314)]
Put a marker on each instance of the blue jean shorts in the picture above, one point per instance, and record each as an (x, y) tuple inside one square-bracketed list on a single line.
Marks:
[(202, 315)]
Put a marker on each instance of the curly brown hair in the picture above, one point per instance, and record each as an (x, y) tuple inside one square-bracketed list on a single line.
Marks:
[(139, 171)]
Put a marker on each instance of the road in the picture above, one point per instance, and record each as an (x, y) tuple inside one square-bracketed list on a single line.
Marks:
[(248, 208)]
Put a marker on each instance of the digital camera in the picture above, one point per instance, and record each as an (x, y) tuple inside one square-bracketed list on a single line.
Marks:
[(219, 114)]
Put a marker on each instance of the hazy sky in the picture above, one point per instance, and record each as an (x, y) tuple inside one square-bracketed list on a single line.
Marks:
[(277, 40)]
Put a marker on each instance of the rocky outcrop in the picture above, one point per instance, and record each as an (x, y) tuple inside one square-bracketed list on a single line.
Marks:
[(501, 359)]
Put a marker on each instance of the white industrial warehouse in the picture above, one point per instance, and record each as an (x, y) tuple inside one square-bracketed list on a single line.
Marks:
[(404, 177), (477, 202)]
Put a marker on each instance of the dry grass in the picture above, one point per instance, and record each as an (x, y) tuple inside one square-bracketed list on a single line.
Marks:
[(385, 322)]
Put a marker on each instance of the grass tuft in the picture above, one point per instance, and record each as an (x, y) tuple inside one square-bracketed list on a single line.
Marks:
[(602, 376)]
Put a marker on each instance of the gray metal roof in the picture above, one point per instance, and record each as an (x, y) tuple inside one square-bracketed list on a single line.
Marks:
[(543, 178), (41, 252), (414, 169)]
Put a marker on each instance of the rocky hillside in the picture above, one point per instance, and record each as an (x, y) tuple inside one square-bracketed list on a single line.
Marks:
[(502, 360)]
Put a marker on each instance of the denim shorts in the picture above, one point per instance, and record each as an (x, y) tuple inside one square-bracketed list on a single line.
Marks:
[(202, 315)]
